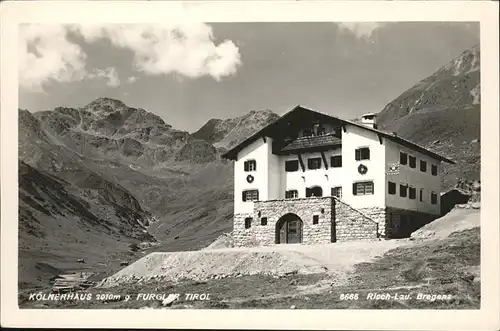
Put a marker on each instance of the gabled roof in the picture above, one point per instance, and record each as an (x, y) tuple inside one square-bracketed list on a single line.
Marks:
[(298, 110)]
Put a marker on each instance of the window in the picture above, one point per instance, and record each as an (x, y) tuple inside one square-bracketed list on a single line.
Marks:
[(403, 190), (250, 165), (392, 188), (403, 158), (292, 165), (363, 188), (337, 192), (336, 161), (421, 194), (250, 195), (314, 163), (315, 219), (434, 170), (290, 194), (263, 221), (315, 191), (434, 198), (412, 161), (413, 193), (248, 222), (423, 166), (362, 153)]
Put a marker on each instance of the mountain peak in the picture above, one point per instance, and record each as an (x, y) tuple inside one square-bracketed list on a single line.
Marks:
[(468, 61), (105, 104), (228, 132)]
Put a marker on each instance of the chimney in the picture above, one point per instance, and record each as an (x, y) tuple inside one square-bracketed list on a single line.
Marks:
[(369, 120)]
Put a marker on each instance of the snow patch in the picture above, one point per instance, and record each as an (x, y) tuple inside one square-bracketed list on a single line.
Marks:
[(476, 94), (457, 64)]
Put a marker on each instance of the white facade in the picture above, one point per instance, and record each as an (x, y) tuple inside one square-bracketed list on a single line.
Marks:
[(354, 138), (413, 178), (261, 153), (272, 181)]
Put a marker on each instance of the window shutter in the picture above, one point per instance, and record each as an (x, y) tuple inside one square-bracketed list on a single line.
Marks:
[(255, 165), (246, 165), (354, 189), (368, 153), (357, 157), (257, 195), (243, 197)]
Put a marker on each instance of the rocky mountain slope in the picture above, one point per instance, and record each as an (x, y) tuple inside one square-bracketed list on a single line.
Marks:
[(66, 208), (100, 173), (228, 133), (61, 223), (442, 113), (107, 127)]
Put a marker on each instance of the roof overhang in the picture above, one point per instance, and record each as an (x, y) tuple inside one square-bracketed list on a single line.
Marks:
[(232, 154)]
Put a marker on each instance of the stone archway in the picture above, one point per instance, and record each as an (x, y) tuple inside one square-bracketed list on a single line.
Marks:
[(289, 229)]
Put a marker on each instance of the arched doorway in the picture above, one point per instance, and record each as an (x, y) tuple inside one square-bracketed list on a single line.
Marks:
[(289, 229)]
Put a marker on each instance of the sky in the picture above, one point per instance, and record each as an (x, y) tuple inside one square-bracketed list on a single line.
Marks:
[(190, 73)]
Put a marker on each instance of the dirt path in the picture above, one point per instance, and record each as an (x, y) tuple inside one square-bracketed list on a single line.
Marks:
[(336, 259)]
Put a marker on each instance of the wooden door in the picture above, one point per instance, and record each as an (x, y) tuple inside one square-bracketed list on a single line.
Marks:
[(293, 232)]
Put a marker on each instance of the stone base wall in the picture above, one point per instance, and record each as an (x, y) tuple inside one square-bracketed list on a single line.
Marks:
[(273, 210), (351, 224), (256, 235), (378, 215), (337, 221)]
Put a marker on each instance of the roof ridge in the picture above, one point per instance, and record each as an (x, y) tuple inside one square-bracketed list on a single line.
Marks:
[(232, 153)]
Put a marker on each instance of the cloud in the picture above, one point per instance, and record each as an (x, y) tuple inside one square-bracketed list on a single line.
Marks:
[(45, 54), (361, 29), (132, 79), (109, 74), (187, 49)]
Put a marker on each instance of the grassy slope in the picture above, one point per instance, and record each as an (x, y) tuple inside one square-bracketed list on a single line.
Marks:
[(441, 266), (59, 224), (69, 212)]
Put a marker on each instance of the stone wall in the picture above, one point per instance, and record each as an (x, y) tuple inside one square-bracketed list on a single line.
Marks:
[(378, 215), (351, 224), (273, 210), (337, 221)]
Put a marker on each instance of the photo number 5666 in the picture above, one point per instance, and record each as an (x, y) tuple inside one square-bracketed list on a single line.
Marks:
[(349, 296)]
